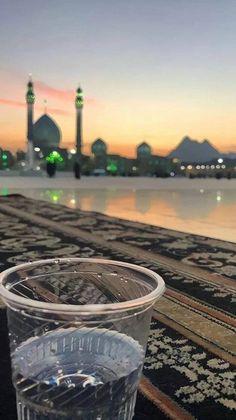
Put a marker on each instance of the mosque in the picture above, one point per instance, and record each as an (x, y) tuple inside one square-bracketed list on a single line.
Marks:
[(45, 134)]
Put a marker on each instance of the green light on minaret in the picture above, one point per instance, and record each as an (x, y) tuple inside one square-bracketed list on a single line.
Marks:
[(79, 99), (30, 97)]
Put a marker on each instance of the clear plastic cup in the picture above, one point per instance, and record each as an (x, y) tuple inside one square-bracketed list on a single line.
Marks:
[(78, 331)]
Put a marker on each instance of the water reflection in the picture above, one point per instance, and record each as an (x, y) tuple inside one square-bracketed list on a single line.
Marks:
[(186, 204), (207, 212), (191, 204), (4, 191), (99, 201), (143, 200), (55, 196)]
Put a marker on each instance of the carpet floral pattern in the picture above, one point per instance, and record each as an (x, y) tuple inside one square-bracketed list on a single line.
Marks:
[(189, 370)]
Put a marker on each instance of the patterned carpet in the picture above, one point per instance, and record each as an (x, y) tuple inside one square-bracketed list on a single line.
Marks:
[(190, 363)]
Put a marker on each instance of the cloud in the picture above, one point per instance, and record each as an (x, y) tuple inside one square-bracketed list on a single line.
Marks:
[(51, 92), (18, 104), (55, 111), (64, 95), (9, 102)]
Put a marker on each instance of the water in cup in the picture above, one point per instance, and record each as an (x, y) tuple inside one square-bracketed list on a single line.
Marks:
[(78, 331), (77, 373)]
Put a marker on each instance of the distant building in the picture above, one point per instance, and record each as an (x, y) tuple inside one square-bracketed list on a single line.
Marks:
[(46, 133), (99, 153), (79, 104), (6, 159), (160, 166), (144, 151), (20, 156), (144, 158), (119, 165)]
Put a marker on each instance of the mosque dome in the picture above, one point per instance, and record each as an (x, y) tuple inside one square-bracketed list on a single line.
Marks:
[(99, 147), (144, 149), (46, 133)]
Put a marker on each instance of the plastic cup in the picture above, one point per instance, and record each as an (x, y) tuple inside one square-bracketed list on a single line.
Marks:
[(78, 332)]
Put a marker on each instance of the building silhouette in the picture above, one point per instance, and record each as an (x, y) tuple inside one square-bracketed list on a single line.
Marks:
[(47, 134), (144, 159), (30, 100), (44, 135), (99, 154), (79, 103)]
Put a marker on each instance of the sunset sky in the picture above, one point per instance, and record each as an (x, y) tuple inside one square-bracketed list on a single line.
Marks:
[(153, 70)]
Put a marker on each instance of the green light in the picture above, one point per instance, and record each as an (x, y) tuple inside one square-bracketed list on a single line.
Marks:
[(30, 97), (54, 195), (4, 156), (54, 157), (4, 191), (55, 198), (79, 99), (112, 167)]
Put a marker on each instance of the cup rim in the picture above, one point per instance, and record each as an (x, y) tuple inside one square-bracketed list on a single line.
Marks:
[(11, 298)]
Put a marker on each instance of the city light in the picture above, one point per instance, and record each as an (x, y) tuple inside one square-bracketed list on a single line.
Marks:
[(37, 149), (189, 167), (212, 166), (54, 195), (112, 167), (220, 160), (223, 166), (54, 157), (4, 156), (217, 166), (218, 198), (172, 174), (72, 201), (182, 168), (198, 167), (202, 166), (73, 151)]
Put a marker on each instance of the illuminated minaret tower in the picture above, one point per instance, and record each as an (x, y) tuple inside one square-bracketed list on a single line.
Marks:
[(30, 99), (79, 103)]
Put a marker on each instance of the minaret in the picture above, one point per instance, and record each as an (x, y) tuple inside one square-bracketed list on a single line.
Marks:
[(79, 102), (30, 99)]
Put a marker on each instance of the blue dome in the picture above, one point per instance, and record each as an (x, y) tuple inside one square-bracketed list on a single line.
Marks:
[(46, 132), (99, 147), (144, 149)]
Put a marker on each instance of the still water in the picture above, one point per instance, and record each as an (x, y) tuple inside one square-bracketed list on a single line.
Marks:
[(205, 208)]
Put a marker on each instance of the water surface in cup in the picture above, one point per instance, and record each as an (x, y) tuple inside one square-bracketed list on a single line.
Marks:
[(75, 373)]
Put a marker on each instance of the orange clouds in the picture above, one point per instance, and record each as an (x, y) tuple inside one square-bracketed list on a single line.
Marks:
[(50, 92), (55, 111), (9, 102), (64, 95), (18, 104), (55, 93)]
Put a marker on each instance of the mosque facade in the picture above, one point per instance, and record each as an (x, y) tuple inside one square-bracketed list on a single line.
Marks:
[(45, 134), (44, 138)]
